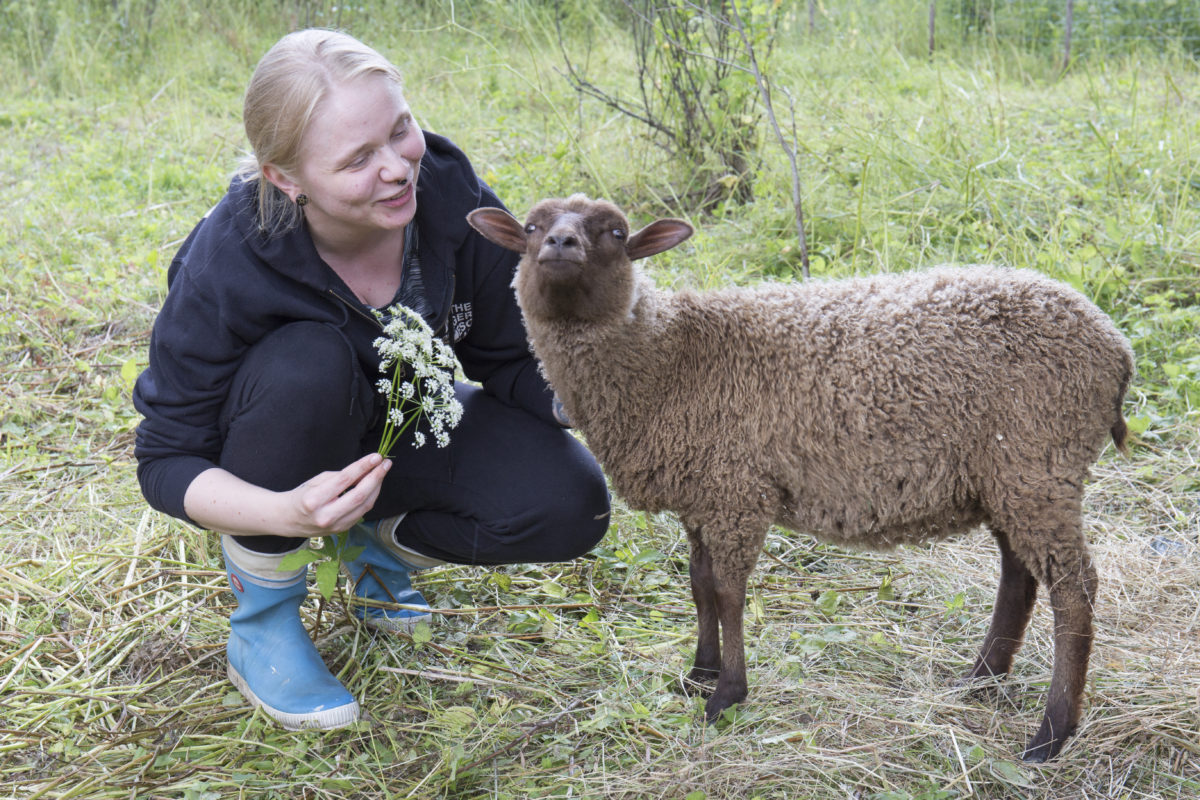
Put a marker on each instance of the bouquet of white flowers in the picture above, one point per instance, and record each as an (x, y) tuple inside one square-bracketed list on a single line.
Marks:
[(428, 393)]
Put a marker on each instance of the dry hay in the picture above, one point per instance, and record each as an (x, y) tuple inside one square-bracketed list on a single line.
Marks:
[(113, 619)]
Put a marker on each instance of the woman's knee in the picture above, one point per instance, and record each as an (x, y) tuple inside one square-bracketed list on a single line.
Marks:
[(577, 519), (304, 373), (587, 532), (299, 405)]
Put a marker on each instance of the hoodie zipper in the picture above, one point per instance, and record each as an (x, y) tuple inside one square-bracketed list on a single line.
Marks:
[(356, 308), (443, 329)]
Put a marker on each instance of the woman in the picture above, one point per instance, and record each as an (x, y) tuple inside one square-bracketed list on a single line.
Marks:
[(261, 413)]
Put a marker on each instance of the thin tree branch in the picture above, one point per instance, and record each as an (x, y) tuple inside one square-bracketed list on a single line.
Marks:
[(789, 149)]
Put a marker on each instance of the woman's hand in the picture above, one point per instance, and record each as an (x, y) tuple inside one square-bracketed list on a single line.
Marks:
[(328, 503), (333, 501)]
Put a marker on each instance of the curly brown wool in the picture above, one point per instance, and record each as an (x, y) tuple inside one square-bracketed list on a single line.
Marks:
[(868, 412)]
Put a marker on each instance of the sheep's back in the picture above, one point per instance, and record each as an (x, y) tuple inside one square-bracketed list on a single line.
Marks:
[(880, 410)]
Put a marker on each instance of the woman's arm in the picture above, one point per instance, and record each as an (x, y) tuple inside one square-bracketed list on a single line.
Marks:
[(329, 503)]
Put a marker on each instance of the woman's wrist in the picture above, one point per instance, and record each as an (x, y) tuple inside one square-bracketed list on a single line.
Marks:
[(220, 501)]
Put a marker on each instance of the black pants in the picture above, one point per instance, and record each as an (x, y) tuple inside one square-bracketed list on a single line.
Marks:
[(509, 488)]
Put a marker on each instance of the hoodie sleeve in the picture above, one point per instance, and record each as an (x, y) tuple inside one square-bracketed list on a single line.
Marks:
[(193, 356)]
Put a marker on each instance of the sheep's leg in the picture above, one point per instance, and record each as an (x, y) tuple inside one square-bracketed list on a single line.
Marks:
[(1072, 590), (707, 666), (1010, 616), (730, 572), (1046, 536)]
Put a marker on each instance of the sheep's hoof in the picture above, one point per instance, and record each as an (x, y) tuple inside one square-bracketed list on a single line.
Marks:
[(719, 702), (1045, 745), (700, 682), (1038, 754)]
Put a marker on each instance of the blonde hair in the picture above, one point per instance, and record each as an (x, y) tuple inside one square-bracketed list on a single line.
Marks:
[(288, 85)]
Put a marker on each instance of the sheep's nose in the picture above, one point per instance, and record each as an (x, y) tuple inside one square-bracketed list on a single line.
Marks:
[(561, 240), (561, 244)]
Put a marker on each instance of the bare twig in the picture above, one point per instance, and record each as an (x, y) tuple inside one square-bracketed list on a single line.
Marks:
[(789, 148), (1068, 26)]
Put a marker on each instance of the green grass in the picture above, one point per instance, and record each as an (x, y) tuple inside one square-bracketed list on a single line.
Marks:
[(120, 124)]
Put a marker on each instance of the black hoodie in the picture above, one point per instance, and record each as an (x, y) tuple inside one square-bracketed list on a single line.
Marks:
[(230, 285)]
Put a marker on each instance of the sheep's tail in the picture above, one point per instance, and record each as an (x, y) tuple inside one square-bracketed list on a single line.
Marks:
[(1119, 433), (1119, 430)]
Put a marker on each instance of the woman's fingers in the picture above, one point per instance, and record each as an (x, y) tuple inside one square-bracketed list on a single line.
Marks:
[(328, 486), (333, 501), (359, 498), (361, 468)]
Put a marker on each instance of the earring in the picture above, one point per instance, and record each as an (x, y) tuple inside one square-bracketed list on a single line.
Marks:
[(301, 200)]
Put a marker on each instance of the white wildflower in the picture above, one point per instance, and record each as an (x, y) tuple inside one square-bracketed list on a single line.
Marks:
[(422, 383)]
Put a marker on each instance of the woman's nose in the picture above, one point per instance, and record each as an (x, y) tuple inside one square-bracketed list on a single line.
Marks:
[(395, 166)]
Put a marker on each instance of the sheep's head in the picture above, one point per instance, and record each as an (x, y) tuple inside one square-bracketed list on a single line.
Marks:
[(578, 255)]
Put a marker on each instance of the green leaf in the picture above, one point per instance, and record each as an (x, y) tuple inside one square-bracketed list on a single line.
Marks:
[(129, 373), (829, 601), (351, 553), (886, 591), (1138, 425), (1137, 254), (647, 556), (552, 589), (327, 573), (422, 633), (1009, 772), (837, 633), (299, 559)]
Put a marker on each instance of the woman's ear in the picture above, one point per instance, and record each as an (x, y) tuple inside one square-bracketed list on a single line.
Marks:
[(281, 181)]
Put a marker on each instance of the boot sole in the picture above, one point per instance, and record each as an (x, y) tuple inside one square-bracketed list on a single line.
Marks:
[(382, 622), (326, 719), (396, 624)]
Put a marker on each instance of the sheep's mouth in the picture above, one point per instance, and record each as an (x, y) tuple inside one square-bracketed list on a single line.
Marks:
[(559, 263)]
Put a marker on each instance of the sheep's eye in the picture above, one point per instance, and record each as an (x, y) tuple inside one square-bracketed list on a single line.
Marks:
[(530, 228), (618, 233)]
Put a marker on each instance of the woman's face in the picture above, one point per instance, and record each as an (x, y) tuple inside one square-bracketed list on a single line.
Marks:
[(359, 162)]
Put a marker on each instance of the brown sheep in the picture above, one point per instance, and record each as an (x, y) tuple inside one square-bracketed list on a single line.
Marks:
[(868, 412)]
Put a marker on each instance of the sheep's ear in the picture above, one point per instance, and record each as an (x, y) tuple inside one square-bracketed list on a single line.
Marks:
[(498, 227), (660, 235)]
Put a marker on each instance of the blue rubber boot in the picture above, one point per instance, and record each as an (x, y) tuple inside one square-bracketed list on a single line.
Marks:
[(381, 574), (272, 660)]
